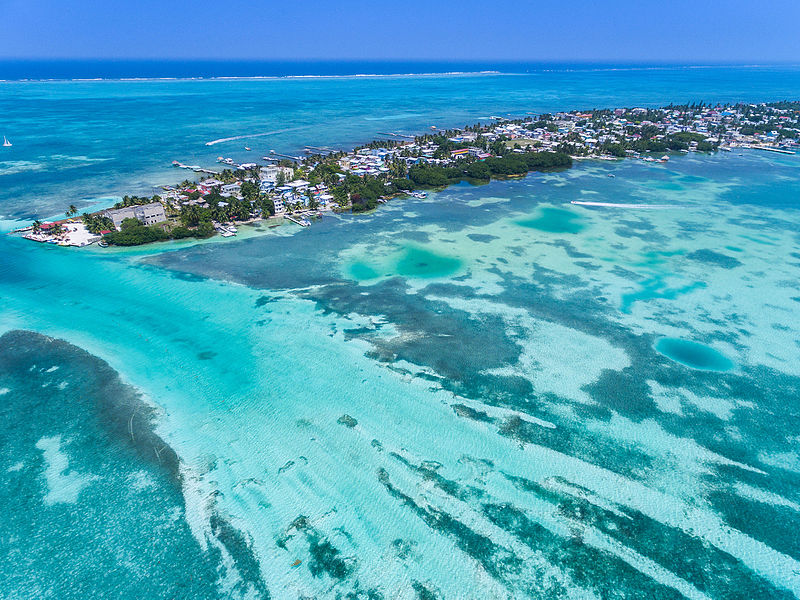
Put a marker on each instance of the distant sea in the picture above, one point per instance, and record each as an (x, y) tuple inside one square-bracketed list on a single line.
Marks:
[(487, 393), (18, 70)]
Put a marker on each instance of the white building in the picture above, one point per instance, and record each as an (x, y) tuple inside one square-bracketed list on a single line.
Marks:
[(207, 185), (231, 189), (299, 185), (270, 173), (146, 214)]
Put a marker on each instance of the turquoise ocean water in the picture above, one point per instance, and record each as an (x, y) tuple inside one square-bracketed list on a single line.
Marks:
[(489, 393)]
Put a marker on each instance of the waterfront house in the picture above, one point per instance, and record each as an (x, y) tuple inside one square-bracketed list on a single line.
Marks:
[(146, 214)]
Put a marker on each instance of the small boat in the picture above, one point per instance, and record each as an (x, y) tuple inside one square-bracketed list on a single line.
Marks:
[(102, 244), (6, 143), (247, 148), (611, 175), (305, 222)]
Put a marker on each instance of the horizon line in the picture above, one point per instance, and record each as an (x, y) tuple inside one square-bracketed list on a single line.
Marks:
[(537, 61)]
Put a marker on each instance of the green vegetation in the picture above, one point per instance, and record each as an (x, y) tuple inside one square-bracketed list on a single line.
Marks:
[(364, 192), (523, 162), (543, 124), (434, 175), (513, 163), (479, 170), (325, 172), (403, 184), (97, 222), (224, 209), (133, 233), (138, 200), (673, 142)]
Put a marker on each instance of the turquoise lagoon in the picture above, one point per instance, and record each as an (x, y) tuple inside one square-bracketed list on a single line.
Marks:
[(458, 397)]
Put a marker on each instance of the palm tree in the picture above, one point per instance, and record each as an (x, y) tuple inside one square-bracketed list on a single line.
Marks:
[(37, 226), (72, 210)]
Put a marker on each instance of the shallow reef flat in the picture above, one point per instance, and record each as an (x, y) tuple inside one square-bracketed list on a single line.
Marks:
[(91, 489), (547, 322)]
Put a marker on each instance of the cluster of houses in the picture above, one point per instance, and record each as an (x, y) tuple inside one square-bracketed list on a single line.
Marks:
[(773, 127), (588, 132), (278, 181), (585, 131), (725, 126), (367, 161), (379, 161)]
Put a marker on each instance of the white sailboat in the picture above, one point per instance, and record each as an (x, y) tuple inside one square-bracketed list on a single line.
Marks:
[(6, 143)]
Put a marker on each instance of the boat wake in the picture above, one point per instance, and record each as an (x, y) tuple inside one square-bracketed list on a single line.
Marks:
[(253, 135)]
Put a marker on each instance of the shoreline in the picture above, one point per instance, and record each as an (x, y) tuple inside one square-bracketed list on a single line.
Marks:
[(301, 187)]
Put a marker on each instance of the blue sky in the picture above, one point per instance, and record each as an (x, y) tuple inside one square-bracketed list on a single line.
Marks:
[(532, 30)]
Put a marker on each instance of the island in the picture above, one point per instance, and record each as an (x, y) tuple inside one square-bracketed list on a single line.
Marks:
[(300, 188)]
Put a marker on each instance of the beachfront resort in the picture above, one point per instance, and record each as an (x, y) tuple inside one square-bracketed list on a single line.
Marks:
[(301, 188)]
